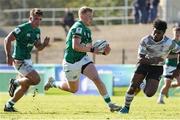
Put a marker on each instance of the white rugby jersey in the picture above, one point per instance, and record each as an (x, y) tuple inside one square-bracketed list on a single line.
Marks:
[(150, 48)]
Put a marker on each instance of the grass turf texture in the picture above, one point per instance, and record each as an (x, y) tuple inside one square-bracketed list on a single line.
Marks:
[(65, 106)]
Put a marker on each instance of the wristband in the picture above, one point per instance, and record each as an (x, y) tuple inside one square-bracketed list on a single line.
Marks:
[(92, 50)]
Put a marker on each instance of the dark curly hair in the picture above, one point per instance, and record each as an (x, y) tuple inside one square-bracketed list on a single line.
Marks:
[(160, 25)]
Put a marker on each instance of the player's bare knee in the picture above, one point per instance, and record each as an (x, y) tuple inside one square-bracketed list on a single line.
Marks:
[(25, 84), (149, 94), (35, 80)]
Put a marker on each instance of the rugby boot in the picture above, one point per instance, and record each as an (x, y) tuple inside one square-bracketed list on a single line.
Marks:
[(113, 107), (12, 87)]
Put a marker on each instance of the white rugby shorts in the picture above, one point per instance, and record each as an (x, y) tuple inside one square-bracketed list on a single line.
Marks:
[(73, 71), (168, 70), (23, 67)]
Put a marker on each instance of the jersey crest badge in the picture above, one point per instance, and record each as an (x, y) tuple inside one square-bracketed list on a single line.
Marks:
[(17, 30), (79, 30)]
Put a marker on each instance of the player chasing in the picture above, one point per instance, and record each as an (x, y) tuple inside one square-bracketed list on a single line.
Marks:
[(153, 50), (26, 36), (171, 63), (77, 62)]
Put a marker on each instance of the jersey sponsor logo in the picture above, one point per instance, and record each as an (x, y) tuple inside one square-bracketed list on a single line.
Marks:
[(17, 30), (28, 35), (79, 30), (30, 45)]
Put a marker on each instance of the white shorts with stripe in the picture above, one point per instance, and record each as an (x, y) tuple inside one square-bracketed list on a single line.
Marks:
[(168, 71), (23, 67), (73, 71)]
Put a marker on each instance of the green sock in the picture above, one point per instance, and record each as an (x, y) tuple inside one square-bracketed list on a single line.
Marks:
[(107, 99)]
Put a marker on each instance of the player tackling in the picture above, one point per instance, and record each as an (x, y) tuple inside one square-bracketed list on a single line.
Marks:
[(153, 50), (77, 62)]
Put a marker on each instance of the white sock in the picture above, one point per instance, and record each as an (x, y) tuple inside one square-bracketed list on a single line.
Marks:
[(10, 103), (142, 86), (56, 84), (161, 97), (128, 99)]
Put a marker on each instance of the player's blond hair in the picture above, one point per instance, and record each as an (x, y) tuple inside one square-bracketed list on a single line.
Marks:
[(36, 11), (84, 10)]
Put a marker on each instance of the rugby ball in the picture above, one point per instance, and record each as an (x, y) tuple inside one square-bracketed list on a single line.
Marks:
[(101, 45)]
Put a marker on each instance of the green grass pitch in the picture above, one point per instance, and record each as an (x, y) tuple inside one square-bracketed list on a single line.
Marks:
[(64, 106)]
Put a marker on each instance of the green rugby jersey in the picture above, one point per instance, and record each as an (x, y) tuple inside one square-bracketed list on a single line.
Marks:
[(79, 29), (25, 36), (174, 61)]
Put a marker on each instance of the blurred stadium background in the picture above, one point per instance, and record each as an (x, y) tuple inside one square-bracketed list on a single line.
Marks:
[(111, 16), (113, 21)]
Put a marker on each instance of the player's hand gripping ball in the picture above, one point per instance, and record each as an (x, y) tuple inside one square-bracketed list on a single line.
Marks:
[(102, 46)]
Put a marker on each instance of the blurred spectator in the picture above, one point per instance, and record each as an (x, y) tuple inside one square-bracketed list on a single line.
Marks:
[(153, 10), (140, 11), (148, 8), (2, 54), (68, 20), (3, 34)]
